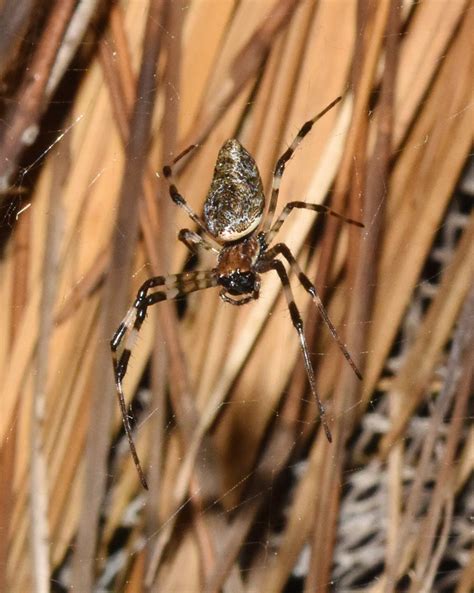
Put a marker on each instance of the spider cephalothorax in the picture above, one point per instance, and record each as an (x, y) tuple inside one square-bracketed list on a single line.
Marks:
[(236, 271), (234, 228)]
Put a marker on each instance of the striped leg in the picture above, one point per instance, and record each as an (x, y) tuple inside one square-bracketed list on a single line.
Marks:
[(178, 199), (193, 241), (314, 207), (281, 248), (298, 324), (127, 332), (285, 157)]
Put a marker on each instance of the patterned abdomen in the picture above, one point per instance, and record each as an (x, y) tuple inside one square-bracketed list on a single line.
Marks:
[(235, 202)]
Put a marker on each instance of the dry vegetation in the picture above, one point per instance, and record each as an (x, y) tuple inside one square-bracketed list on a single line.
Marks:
[(243, 485)]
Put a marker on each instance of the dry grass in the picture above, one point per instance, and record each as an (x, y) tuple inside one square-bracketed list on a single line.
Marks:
[(243, 484)]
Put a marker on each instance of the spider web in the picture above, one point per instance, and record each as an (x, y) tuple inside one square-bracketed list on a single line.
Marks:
[(359, 552), (362, 529)]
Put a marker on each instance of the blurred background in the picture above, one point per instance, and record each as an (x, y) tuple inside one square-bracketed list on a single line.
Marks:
[(246, 494)]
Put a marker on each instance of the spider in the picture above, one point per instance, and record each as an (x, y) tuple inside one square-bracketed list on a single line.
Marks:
[(235, 228)]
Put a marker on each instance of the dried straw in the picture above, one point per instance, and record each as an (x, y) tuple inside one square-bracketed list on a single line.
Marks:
[(95, 99)]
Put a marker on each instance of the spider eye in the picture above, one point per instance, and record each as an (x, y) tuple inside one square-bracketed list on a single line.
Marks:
[(238, 283)]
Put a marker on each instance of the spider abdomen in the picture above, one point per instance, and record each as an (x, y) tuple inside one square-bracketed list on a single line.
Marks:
[(235, 202)]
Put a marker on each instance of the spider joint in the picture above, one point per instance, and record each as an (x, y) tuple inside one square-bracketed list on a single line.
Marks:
[(176, 196), (115, 341)]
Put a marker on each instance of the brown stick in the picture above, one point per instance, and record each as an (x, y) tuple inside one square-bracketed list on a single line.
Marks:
[(115, 299), (362, 263), (20, 126)]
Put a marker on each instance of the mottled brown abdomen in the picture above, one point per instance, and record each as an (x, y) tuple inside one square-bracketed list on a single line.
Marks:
[(235, 202)]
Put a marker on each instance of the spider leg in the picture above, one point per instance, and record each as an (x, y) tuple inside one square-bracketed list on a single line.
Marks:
[(314, 207), (177, 198), (127, 332), (285, 157), (281, 248), (297, 321), (193, 241)]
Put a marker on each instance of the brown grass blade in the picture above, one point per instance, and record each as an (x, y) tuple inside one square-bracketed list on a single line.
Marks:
[(245, 493)]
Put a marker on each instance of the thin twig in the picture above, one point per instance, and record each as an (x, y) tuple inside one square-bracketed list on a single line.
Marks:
[(19, 128), (73, 36), (362, 262), (115, 295), (244, 67), (39, 486)]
